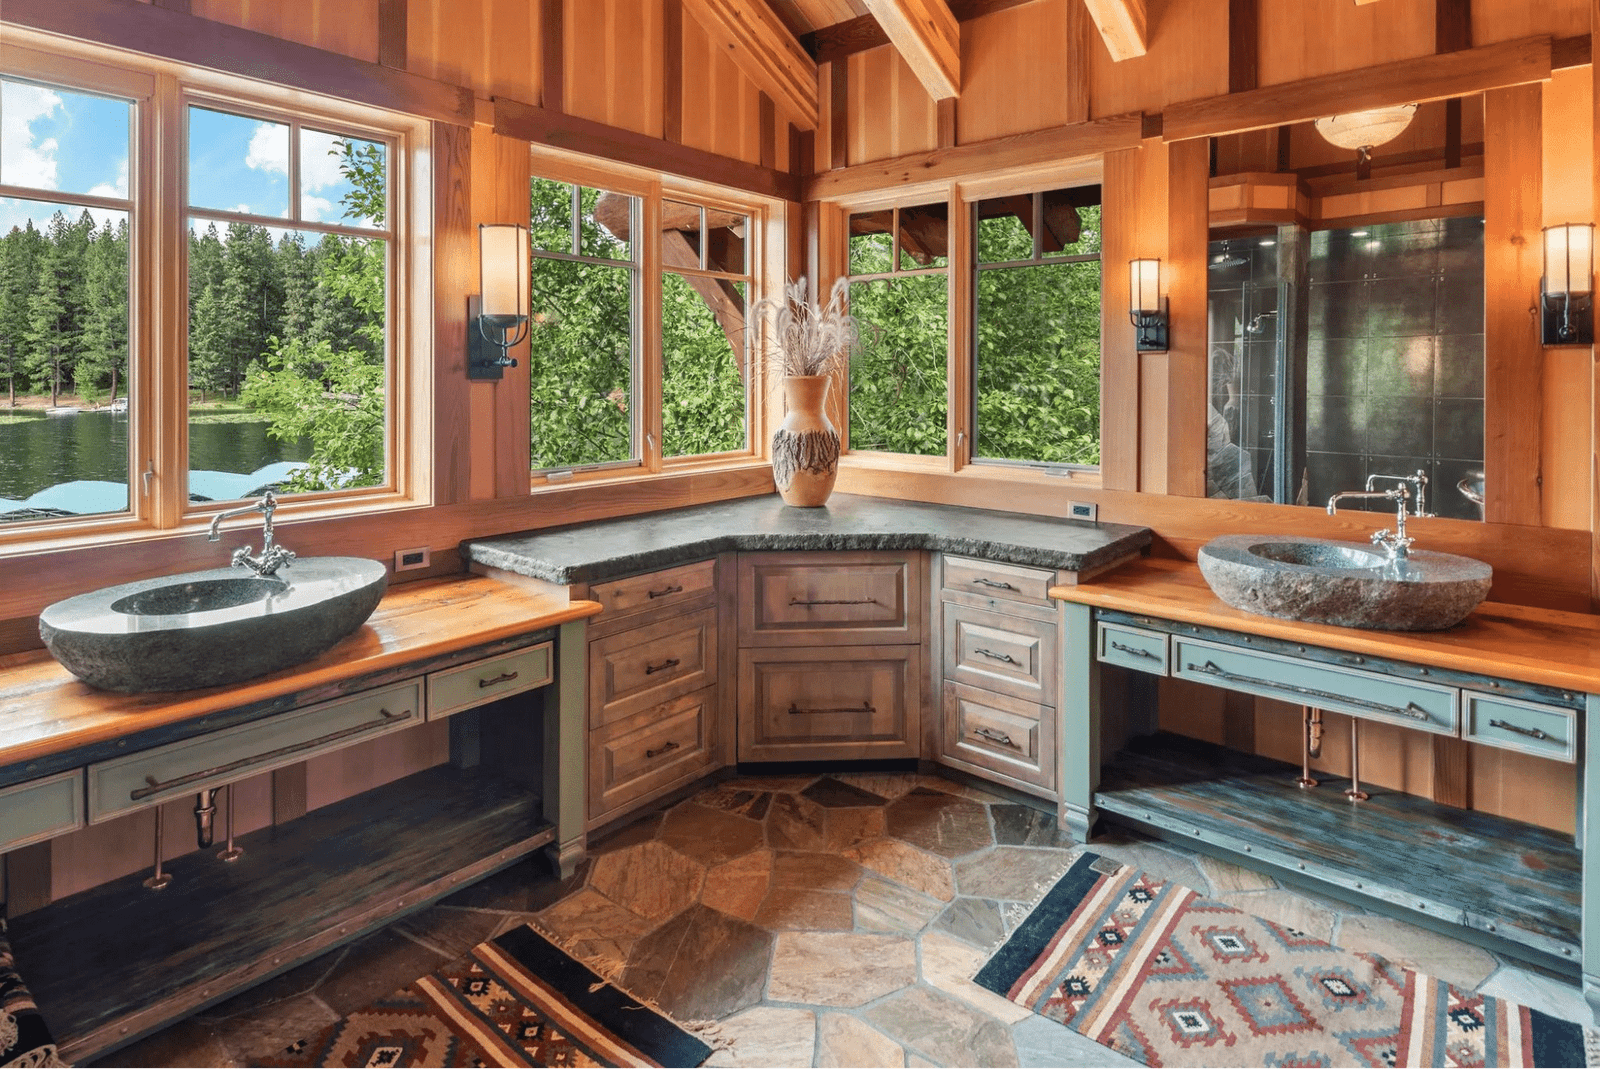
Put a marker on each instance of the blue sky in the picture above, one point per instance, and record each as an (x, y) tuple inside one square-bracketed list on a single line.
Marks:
[(77, 143)]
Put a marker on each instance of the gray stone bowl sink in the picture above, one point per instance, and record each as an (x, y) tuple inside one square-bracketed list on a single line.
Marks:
[(205, 629), (1343, 583)]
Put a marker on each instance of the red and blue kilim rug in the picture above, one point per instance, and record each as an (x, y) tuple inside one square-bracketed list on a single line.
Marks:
[(1165, 976), (518, 1000)]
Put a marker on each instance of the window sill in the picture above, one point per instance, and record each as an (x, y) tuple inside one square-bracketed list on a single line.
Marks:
[(541, 486)]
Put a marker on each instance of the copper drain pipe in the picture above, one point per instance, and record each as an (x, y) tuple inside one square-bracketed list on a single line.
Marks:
[(1310, 744), (1354, 791)]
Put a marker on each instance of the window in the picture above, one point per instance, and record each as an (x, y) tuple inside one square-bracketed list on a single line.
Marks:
[(899, 285), (704, 362), (1037, 352)]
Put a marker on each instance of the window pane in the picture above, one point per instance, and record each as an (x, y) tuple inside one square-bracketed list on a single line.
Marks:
[(604, 222), (63, 361), (238, 164), (680, 234), (580, 359), (871, 243), (1038, 375), (287, 361), (703, 365), (342, 179), (1072, 227), (1005, 229), (552, 215), (924, 236), (897, 385), (726, 241), (61, 140)]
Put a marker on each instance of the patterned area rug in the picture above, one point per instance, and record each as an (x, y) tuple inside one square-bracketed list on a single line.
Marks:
[(517, 1000), (1155, 971), (25, 1041)]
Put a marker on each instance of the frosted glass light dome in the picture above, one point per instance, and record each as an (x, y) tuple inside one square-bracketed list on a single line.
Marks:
[(1366, 129)]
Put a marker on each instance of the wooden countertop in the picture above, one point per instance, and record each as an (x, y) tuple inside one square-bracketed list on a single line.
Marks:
[(1543, 646), (45, 710)]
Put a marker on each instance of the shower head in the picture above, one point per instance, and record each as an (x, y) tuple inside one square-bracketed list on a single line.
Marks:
[(1256, 326), (1227, 260)]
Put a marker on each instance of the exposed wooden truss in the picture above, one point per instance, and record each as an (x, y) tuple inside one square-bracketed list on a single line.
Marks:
[(1122, 25), (757, 40), (928, 38)]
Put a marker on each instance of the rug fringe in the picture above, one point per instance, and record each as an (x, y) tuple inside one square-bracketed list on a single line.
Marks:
[(1036, 893), (1591, 1046)]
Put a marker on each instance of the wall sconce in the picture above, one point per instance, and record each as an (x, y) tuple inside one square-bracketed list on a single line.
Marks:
[(1566, 300), (497, 318), (1146, 308)]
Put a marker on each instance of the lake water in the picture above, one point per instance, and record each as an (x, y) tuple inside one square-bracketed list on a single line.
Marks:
[(41, 453)]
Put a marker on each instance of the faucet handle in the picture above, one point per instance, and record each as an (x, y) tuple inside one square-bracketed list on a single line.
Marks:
[(241, 556)]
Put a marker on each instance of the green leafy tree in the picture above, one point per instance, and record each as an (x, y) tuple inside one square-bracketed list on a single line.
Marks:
[(702, 388)]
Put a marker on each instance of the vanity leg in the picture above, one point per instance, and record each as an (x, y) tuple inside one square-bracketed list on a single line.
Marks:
[(566, 733), (1078, 744), (1589, 843), (1354, 791), (159, 878)]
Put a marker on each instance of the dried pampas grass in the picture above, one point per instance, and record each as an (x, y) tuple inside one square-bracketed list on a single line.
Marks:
[(808, 339)]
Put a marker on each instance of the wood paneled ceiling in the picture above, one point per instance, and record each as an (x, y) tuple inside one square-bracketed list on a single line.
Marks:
[(808, 16)]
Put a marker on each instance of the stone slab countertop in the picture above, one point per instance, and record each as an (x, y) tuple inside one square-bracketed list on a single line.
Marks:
[(587, 552)]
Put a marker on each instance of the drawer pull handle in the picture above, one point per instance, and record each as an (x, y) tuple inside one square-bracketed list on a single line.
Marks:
[(833, 601), (652, 669), (675, 588), (1411, 709), (1133, 651), (504, 677), (980, 581), (385, 718), (864, 707), (992, 655), (659, 750), (1532, 733), (996, 736)]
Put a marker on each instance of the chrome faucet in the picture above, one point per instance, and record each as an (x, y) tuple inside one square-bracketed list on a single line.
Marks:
[(272, 556), (1419, 489), (1396, 544)]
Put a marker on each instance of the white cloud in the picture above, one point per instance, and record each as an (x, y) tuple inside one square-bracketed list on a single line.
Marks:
[(269, 149), (319, 165), (26, 162), (106, 189), (318, 210), (242, 209)]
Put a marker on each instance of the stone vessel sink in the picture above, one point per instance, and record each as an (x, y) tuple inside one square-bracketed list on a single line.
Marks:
[(1343, 583), (205, 629)]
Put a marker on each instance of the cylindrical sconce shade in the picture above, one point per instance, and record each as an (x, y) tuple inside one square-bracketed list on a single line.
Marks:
[(1569, 259), (503, 269), (1144, 285)]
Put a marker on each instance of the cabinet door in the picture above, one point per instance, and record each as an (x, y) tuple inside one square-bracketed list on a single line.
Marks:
[(808, 599), (1000, 653), (635, 669), (808, 703), (1000, 738), (649, 752)]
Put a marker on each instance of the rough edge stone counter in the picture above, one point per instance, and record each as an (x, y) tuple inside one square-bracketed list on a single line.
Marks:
[(586, 552)]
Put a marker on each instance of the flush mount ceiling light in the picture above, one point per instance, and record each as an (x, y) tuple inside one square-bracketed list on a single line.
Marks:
[(1363, 131)]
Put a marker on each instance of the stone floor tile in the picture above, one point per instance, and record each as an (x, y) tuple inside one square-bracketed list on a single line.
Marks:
[(187, 1043), (631, 834), (917, 1061), (1558, 998), (1044, 1043), (1011, 873), (830, 792), (701, 965), (254, 1037), (1416, 948), (801, 910), (771, 783), (709, 836), (651, 879), (766, 1036), (744, 801), (450, 931), (594, 929), (974, 920), (738, 887), (1159, 861), (882, 906), (907, 866), (890, 785), (1023, 825), (949, 965), (846, 1041), (382, 962), (943, 1028), (839, 968), (959, 789), (795, 823), (940, 823), (844, 828), (814, 870), (1224, 876), (1284, 907)]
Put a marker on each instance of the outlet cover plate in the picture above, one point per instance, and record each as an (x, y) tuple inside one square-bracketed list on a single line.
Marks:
[(410, 560), (1083, 510)]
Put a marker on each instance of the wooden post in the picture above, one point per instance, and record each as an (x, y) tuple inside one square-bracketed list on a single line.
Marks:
[(565, 743), (1078, 741)]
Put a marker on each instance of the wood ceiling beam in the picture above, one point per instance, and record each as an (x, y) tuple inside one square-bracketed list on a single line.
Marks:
[(1122, 25), (762, 46), (831, 43), (928, 38)]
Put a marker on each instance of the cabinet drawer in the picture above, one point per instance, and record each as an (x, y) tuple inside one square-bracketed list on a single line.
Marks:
[(807, 599), (825, 704), (1425, 706), (1005, 654), (41, 809), (1545, 730), (182, 768), (650, 750), (995, 734), (483, 681), (632, 670), (665, 589), (1010, 582), (1133, 647)]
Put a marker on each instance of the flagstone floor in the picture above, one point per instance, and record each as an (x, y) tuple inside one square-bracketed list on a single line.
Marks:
[(829, 920)]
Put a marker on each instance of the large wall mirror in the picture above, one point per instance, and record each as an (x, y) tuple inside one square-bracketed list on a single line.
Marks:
[(1346, 313)]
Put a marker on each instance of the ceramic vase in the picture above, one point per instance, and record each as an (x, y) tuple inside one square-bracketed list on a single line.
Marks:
[(805, 447)]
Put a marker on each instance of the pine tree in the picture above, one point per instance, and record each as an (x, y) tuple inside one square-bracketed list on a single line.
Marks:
[(56, 306), (19, 267), (103, 345)]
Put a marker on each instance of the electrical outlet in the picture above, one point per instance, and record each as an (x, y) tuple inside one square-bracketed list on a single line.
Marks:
[(1083, 510), (409, 560)]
